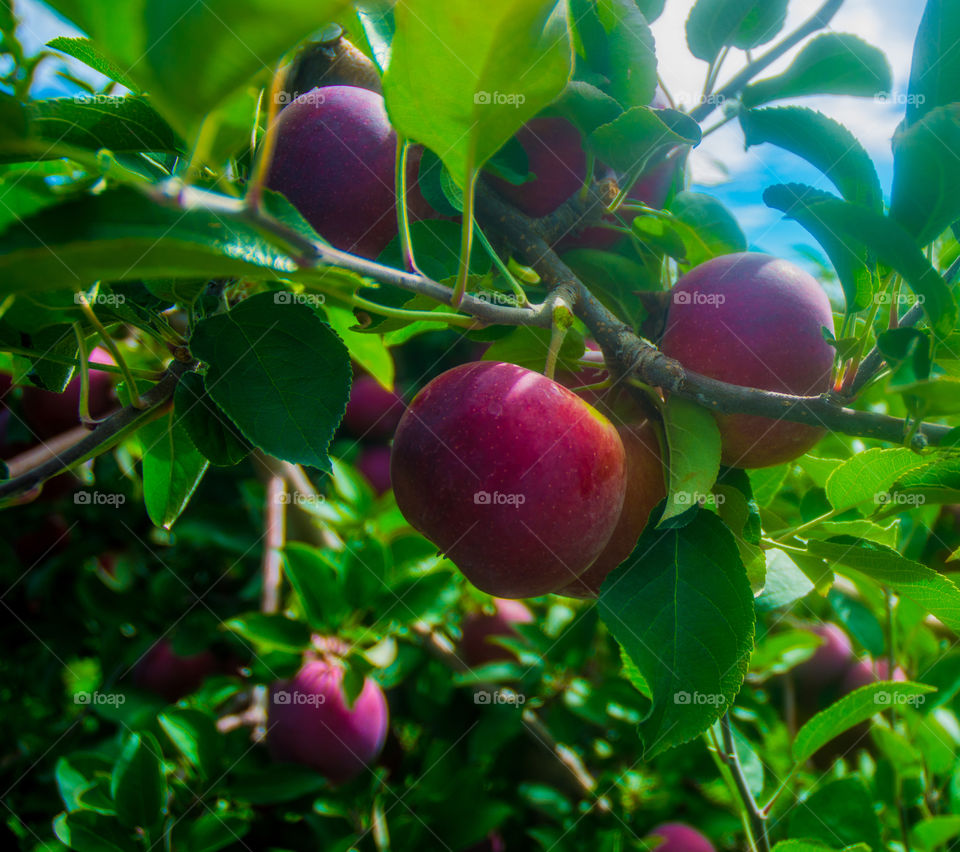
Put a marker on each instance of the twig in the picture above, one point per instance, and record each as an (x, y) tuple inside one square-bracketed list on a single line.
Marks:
[(275, 530), (758, 825)]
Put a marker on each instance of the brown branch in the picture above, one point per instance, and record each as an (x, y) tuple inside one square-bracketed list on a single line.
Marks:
[(275, 529)]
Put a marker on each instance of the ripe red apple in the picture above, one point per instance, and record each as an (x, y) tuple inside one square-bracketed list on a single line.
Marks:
[(309, 722), (479, 628), (518, 480), (645, 488), (171, 675), (827, 664), (374, 464), (864, 672), (334, 161), (753, 320), (680, 837), (372, 411), (48, 413)]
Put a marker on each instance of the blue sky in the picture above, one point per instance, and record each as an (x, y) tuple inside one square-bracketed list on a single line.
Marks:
[(890, 25)]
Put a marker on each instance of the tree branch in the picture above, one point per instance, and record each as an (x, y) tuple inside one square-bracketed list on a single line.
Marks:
[(758, 825)]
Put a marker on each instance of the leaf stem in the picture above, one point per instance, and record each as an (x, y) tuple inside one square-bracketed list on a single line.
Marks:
[(757, 819), (133, 396), (466, 236)]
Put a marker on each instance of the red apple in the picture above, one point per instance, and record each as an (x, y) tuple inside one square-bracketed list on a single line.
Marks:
[(334, 161), (645, 488), (827, 664), (753, 320), (374, 464), (372, 411), (518, 480), (680, 837), (479, 628), (309, 722), (171, 675), (864, 672)]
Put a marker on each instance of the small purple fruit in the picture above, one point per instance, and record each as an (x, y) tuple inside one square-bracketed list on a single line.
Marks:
[(518, 480), (309, 722), (171, 675), (828, 662), (680, 837), (372, 411), (479, 628), (864, 672), (374, 464)]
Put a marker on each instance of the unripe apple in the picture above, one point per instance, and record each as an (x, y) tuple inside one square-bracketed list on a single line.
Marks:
[(309, 722), (334, 161), (680, 837), (555, 155), (753, 320), (372, 411), (827, 664), (171, 675), (48, 413), (374, 464), (518, 480), (479, 628), (645, 488)]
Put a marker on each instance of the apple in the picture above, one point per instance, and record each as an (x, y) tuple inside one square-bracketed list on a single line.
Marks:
[(753, 320), (334, 61), (48, 413), (828, 663), (864, 672), (309, 722), (372, 411), (334, 161), (480, 627), (171, 675), (374, 464), (518, 480), (680, 837), (645, 488)]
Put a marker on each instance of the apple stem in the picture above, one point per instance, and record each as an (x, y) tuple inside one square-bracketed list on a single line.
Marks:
[(519, 292), (459, 320), (130, 382), (562, 320), (84, 369), (756, 817), (403, 216), (268, 142)]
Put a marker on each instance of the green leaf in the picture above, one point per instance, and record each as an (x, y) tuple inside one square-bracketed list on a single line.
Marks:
[(934, 398), (615, 280), (139, 786), (270, 632), (853, 709), (693, 443), (210, 430), (682, 608), (103, 121), (527, 346), (868, 476), (630, 140), (816, 846), (934, 832), (839, 813), (929, 589), (631, 61), (926, 174), (785, 583), (87, 831), (822, 142), (858, 227), (464, 77), (714, 24), (86, 51), (711, 229), (279, 373), (935, 72), (272, 785), (859, 620), (316, 583), (211, 831), (585, 106), (120, 235), (157, 42), (195, 735), (830, 64), (172, 468), (368, 350), (652, 9), (938, 481)]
